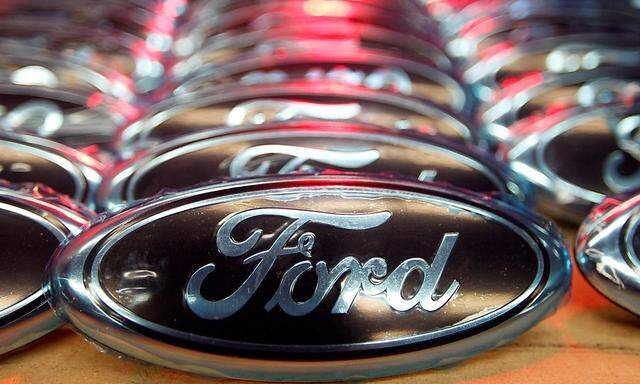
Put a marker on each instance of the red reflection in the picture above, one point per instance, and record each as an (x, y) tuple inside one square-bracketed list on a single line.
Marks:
[(503, 49), (513, 85), (94, 100)]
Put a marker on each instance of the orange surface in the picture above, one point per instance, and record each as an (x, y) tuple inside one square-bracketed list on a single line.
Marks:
[(587, 341)]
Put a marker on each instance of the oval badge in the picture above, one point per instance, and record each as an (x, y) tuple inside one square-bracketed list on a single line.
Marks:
[(362, 69), (608, 249), (61, 100), (33, 223), (577, 156), (301, 147), (310, 278), (530, 95), (266, 103), (243, 41), (25, 158)]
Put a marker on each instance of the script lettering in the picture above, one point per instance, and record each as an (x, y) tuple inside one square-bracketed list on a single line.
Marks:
[(369, 279)]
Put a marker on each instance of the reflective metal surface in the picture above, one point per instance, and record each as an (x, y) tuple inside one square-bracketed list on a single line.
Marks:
[(576, 156), (265, 103), (302, 147), (523, 58), (25, 158), (459, 17), (33, 223), (118, 39), (320, 35), (607, 251), (310, 278), (58, 99), (321, 64), (105, 50), (532, 95), (560, 54), (209, 18)]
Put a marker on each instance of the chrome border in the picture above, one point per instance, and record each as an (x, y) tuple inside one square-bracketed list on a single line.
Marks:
[(76, 83), (140, 130), (91, 78), (605, 254), (482, 75), (63, 222), (238, 39), (50, 227), (210, 18), (461, 15), (460, 100), (85, 171), (111, 195), (79, 303), (506, 109), (471, 30), (526, 157), (632, 229)]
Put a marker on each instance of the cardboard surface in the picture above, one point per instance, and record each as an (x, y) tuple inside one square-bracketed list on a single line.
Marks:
[(589, 340)]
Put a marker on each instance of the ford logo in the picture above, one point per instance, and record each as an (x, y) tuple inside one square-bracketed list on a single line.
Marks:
[(310, 278), (300, 147), (33, 105), (259, 104), (576, 157)]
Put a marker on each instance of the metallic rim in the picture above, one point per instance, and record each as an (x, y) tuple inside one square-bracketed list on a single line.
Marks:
[(527, 158), (552, 81), (77, 301), (631, 230), (459, 99), (484, 71), (138, 166), (56, 231), (141, 129), (86, 177), (605, 254), (39, 320), (242, 39)]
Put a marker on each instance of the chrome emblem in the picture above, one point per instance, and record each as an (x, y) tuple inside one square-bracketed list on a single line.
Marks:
[(304, 270), (30, 214), (576, 157), (350, 159), (607, 250), (626, 135), (302, 147), (359, 275), (25, 158), (262, 104)]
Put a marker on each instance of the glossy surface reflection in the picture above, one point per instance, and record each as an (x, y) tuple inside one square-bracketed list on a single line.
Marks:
[(33, 223), (607, 249), (577, 156), (302, 147), (26, 246), (376, 275), (491, 274), (263, 104)]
